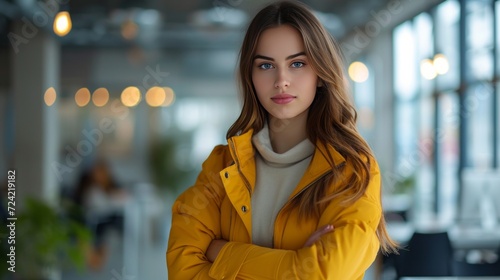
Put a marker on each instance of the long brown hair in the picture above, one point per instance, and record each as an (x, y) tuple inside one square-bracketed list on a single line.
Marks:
[(331, 118)]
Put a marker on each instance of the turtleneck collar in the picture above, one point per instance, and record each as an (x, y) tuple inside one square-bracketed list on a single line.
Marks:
[(262, 144)]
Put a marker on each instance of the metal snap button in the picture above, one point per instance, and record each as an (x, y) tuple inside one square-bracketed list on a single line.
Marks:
[(244, 209), (226, 175)]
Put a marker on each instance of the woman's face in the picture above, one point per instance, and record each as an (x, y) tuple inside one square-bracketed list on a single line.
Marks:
[(282, 76)]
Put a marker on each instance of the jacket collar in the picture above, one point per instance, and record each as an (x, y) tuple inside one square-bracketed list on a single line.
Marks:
[(243, 154), (242, 149)]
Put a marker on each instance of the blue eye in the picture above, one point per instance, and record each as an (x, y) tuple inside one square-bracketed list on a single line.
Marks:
[(266, 66), (297, 64)]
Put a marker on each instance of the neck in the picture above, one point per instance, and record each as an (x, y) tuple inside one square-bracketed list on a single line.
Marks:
[(286, 134)]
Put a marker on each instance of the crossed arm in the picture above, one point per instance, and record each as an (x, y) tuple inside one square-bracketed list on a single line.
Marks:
[(217, 244)]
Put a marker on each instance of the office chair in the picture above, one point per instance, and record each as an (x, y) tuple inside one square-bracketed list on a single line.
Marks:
[(427, 254)]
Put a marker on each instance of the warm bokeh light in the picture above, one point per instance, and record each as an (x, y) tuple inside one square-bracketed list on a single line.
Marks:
[(131, 96), (62, 23), (155, 96), (169, 96), (100, 97), (50, 96), (358, 72), (129, 30), (82, 97), (427, 69), (441, 64)]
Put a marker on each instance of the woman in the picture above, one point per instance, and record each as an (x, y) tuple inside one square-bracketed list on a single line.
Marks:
[(296, 192), (100, 204)]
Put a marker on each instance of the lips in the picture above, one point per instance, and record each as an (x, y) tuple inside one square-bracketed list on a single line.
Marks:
[(282, 98)]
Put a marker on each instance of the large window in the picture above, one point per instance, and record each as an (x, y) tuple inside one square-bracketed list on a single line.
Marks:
[(447, 153), (447, 17), (479, 40), (446, 100), (477, 114)]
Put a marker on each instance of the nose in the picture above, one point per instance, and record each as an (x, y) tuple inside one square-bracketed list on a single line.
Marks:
[(282, 81)]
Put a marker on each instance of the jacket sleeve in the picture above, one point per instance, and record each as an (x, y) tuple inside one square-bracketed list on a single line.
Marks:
[(345, 253), (195, 223)]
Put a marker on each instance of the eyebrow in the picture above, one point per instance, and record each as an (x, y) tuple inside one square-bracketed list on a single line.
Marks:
[(272, 59)]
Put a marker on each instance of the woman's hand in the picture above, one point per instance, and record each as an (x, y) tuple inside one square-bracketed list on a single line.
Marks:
[(317, 234), (214, 249)]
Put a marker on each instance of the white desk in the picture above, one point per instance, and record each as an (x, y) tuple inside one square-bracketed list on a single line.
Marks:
[(453, 278), (466, 237), (461, 236)]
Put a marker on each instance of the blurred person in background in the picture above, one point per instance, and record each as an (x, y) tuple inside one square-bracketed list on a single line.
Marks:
[(101, 202), (296, 192)]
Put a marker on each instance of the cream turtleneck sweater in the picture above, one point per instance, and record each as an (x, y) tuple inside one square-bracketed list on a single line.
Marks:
[(277, 177)]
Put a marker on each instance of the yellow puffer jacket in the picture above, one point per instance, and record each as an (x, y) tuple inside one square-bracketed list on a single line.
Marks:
[(218, 207)]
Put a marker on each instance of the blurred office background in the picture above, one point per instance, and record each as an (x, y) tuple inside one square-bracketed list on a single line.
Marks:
[(132, 96)]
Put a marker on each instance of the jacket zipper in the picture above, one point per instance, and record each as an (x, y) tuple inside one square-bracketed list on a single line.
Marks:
[(293, 197), (247, 184)]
